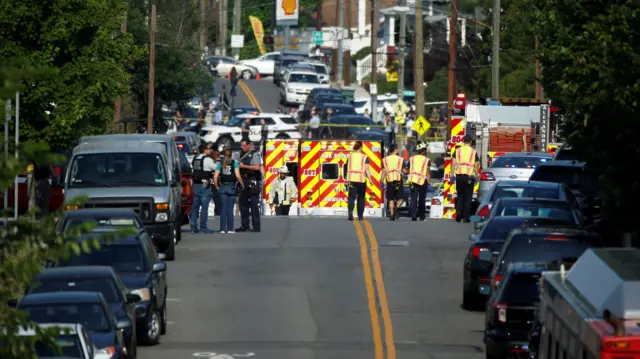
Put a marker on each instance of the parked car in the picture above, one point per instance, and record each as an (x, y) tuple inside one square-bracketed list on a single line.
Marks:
[(281, 126), (100, 217), (241, 110), (297, 85), (281, 67), (265, 64), (338, 109), (321, 69), (74, 342), (222, 65), (514, 166)]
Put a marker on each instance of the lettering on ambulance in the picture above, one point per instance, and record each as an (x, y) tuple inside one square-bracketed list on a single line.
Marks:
[(331, 189)]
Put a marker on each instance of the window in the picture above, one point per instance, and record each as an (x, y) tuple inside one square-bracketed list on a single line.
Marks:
[(523, 288), (330, 171), (321, 69), (227, 60), (103, 285), (117, 169), (91, 316), (122, 257), (345, 170), (293, 171), (70, 347), (185, 167), (518, 162), (102, 222), (303, 78), (289, 120), (269, 121)]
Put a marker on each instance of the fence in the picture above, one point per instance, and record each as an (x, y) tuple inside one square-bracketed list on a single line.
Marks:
[(363, 67)]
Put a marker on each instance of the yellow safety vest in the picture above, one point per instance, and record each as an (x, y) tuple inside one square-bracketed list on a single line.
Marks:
[(466, 160), (356, 170), (393, 168), (418, 167)]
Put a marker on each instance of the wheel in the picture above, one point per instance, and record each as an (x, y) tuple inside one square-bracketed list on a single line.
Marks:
[(246, 74), (170, 252), (163, 317), (178, 229), (225, 142), (282, 136), (151, 335), (468, 300)]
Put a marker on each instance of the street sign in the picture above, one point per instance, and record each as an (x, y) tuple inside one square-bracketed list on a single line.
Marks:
[(287, 12), (421, 125), (317, 37), (237, 41), (409, 93), (399, 109)]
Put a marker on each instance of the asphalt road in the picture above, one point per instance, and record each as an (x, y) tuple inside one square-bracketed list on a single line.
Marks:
[(262, 94), (321, 288)]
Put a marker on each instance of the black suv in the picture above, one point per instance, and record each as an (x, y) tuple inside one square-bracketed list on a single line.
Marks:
[(511, 311), (142, 270)]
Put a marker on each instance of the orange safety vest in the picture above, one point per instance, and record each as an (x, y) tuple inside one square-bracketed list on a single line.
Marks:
[(466, 160), (393, 167), (418, 167), (356, 170)]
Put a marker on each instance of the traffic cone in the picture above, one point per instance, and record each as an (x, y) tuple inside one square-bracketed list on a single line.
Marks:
[(258, 76)]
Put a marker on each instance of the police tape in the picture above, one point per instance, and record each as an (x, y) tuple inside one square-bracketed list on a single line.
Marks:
[(356, 126)]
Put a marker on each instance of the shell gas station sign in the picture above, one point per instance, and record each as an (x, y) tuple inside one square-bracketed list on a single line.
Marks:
[(287, 12)]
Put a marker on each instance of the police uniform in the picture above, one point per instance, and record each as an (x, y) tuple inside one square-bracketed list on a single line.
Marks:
[(418, 173), (216, 193), (250, 196), (356, 176), (203, 168), (466, 160), (393, 171)]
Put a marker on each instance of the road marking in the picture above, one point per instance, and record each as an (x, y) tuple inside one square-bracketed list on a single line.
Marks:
[(371, 297), (173, 300), (247, 91), (223, 355), (382, 293)]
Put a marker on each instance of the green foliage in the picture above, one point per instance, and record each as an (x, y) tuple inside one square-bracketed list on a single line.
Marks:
[(81, 42), (590, 53), (438, 88)]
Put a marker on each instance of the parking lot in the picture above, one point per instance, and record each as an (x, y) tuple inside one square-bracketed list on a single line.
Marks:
[(298, 290)]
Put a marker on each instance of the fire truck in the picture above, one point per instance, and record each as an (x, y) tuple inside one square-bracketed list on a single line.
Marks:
[(592, 310)]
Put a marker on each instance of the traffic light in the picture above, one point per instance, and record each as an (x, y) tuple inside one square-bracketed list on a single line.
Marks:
[(459, 105)]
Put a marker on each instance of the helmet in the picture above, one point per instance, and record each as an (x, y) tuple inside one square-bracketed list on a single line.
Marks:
[(421, 146), (283, 169)]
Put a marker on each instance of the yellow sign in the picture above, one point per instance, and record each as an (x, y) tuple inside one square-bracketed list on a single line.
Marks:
[(258, 32), (29, 168), (289, 6), (392, 76), (399, 109), (421, 125)]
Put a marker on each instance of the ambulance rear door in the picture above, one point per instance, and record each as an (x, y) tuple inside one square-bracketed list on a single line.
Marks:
[(280, 153), (332, 190)]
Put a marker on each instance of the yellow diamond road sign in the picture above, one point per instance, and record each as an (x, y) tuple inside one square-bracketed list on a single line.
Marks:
[(421, 125), (399, 109)]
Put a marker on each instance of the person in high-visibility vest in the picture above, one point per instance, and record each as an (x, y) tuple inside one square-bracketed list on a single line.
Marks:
[(392, 174), (419, 180), (465, 166), (357, 175)]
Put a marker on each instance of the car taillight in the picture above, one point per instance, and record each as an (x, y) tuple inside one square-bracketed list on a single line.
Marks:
[(475, 252), (435, 202), (180, 146), (501, 312), (496, 281), (487, 176), (556, 238), (484, 211)]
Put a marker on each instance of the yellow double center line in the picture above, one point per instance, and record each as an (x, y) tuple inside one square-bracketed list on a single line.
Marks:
[(377, 295), (247, 91)]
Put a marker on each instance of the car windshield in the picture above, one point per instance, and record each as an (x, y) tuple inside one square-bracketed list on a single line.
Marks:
[(524, 248), (499, 229), (573, 176), (322, 70), (91, 316), (117, 169), (234, 122), (329, 99), (289, 120), (70, 347), (358, 104), (524, 192), (535, 209), (124, 258), (103, 285), (102, 222), (342, 110), (522, 289), (289, 62), (304, 78), (518, 162)]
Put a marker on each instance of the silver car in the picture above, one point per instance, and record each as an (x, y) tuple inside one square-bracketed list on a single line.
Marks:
[(514, 166)]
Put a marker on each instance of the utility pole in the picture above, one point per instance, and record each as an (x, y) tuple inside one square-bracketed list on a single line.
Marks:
[(237, 23), (374, 59), (7, 119), (152, 70), (418, 71), (340, 41), (453, 20), (118, 105), (539, 89), (203, 24), (401, 47), (495, 51), (346, 75)]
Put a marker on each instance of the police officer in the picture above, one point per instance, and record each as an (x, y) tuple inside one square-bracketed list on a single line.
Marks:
[(203, 169), (357, 175), (215, 156), (465, 166), (283, 192), (419, 179), (250, 164), (392, 174)]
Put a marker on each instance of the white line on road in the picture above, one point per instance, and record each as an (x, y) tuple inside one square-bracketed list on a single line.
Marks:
[(173, 299)]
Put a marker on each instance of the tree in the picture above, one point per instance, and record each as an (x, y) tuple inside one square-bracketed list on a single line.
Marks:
[(81, 41), (590, 54)]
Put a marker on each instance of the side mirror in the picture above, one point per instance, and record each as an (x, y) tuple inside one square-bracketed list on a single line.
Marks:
[(162, 256), (475, 219), (160, 267), (133, 298), (485, 256), (124, 323)]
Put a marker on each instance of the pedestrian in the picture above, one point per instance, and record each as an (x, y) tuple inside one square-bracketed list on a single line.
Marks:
[(233, 78), (203, 169), (392, 174), (279, 110), (245, 129), (325, 131), (283, 192), (215, 193), (465, 166), (419, 180), (366, 112), (227, 179), (314, 125), (250, 170), (41, 176), (357, 175)]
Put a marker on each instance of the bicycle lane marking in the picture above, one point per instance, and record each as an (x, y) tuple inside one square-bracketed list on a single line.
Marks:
[(371, 296), (382, 293)]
